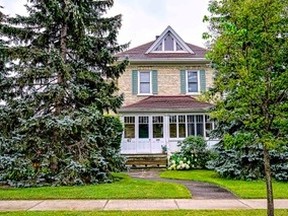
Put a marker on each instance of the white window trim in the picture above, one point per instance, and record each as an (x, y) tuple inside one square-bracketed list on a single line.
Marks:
[(198, 82), (139, 93), (178, 51), (169, 51), (177, 138)]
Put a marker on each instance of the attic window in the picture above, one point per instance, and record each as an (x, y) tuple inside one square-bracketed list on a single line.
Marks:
[(178, 47), (159, 47), (169, 44)]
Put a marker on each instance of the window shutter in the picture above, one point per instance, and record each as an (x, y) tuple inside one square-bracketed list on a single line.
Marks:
[(183, 82), (134, 82), (154, 82), (202, 80)]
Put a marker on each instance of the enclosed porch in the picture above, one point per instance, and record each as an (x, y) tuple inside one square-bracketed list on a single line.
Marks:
[(156, 124)]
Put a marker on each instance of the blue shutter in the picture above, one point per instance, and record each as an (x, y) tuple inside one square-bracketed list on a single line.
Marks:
[(183, 82), (134, 82), (154, 82), (202, 80)]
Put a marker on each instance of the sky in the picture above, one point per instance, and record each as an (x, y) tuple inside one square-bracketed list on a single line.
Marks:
[(142, 20)]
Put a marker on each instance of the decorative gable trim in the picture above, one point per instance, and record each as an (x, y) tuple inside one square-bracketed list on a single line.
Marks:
[(178, 42)]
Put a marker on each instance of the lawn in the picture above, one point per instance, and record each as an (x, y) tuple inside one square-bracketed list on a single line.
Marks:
[(125, 188), (243, 189), (154, 213)]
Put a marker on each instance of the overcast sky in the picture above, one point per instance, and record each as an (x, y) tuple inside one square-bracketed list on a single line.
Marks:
[(144, 19)]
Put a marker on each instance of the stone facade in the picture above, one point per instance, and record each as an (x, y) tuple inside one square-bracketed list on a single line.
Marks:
[(168, 80)]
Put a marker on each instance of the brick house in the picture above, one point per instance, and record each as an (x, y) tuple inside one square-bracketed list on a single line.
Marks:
[(161, 86)]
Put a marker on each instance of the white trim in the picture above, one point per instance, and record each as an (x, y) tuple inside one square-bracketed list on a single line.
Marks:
[(170, 60), (175, 36), (198, 83), (138, 90), (179, 51), (186, 125), (153, 145)]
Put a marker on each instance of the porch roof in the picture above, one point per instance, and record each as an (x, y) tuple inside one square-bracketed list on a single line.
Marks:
[(167, 104)]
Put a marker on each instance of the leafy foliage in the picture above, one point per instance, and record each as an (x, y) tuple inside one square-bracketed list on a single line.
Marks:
[(249, 49), (246, 162), (27, 162), (193, 154), (58, 79)]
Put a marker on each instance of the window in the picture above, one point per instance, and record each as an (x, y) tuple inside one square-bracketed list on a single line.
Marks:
[(157, 126), (177, 126), (208, 125), (199, 125), (178, 47), (169, 43), (144, 82), (159, 47), (192, 81), (129, 127), (181, 126), (190, 125), (173, 126), (144, 127)]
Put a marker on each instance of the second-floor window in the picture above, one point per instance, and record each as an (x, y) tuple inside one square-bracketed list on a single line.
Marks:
[(145, 82), (192, 81)]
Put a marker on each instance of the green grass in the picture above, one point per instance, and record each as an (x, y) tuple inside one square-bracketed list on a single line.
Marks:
[(126, 188), (154, 213), (243, 189)]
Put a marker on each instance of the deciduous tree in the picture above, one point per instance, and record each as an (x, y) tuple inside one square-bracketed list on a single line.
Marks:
[(249, 49)]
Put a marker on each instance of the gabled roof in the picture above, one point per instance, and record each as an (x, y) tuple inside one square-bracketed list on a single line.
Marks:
[(167, 104), (147, 53), (175, 36)]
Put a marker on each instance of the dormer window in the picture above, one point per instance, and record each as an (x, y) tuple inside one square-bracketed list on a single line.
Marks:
[(159, 48), (169, 44), (178, 47)]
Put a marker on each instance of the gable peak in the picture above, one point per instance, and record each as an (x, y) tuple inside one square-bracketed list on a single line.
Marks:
[(169, 42)]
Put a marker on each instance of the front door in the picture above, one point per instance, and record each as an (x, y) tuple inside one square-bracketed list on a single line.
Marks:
[(150, 134), (144, 135), (157, 133)]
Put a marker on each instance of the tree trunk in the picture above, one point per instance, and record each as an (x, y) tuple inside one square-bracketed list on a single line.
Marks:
[(269, 189), (63, 50)]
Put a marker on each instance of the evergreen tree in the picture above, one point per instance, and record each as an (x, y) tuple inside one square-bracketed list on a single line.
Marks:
[(249, 54), (60, 78)]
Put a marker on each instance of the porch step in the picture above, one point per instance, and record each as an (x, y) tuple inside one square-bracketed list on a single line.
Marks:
[(135, 161)]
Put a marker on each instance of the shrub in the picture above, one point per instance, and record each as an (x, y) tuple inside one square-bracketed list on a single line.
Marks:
[(246, 162), (193, 154), (86, 151)]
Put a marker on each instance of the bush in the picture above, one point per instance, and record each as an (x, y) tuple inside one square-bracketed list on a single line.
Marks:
[(74, 149), (193, 154), (246, 162)]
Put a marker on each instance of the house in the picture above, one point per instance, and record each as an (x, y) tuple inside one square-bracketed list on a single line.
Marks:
[(161, 87)]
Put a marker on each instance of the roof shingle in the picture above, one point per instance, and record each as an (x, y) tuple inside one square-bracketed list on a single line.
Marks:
[(167, 104), (138, 53)]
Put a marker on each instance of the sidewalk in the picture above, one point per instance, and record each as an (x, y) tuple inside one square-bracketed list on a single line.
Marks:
[(157, 204)]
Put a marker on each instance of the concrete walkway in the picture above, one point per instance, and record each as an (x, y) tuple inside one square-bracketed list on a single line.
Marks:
[(199, 190), (159, 204)]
